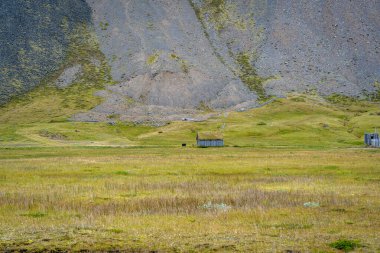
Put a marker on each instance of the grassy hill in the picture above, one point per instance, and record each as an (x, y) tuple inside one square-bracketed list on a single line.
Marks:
[(299, 121)]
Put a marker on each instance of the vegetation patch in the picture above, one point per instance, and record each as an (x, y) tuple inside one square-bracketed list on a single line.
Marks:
[(298, 99), (116, 230), (123, 173), (35, 53), (219, 13), (152, 59), (51, 135), (249, 76), (341, 99), (47, 102), (183, 63), (222, 14), (216, 9), (114, 116), (345, 245), (35, 214), (290, 226), (331, 167), (375, 96), (204, 107), (104, 25)]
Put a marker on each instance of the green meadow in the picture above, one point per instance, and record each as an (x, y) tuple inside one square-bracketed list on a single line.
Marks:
[(294, 177), (300, 121)]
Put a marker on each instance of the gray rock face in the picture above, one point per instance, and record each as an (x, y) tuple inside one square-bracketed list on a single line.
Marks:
[(68, 76), (179, 56), (34, 37), (323, 45), (330, 46), (161, 56), (162, 60)]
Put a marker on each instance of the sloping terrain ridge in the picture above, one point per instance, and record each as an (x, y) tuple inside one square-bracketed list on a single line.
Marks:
[(171, 59)]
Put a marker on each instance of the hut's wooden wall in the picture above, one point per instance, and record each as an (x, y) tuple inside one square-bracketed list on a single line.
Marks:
[(210, 143)]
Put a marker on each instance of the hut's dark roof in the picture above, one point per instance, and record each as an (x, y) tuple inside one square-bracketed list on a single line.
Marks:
[(210, 136)]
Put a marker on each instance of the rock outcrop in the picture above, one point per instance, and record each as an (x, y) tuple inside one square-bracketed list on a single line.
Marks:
[(34, 39), (180, 57)]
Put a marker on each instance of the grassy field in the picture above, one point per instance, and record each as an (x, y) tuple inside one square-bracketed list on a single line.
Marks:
[(183, 200), (294, 177)]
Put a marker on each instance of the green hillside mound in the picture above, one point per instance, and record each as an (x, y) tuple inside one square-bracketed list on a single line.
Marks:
[(301, 121)]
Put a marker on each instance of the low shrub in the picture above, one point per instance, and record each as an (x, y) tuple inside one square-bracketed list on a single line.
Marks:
[(345, 245), (122, 172), (35, 214)]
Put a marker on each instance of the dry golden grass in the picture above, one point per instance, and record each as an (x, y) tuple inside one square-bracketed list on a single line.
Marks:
[(188, 200), (86, 192)]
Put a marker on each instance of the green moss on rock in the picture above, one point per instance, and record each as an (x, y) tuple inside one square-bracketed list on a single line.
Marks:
[(341, 99), (184, 65), (47, 102), (249, 76), (152, 59), (36, 44), (221, 14)]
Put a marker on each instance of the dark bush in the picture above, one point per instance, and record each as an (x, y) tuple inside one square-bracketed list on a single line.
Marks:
[(345, 245)]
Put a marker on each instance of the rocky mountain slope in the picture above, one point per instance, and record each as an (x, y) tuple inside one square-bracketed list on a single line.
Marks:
[(173, 58)]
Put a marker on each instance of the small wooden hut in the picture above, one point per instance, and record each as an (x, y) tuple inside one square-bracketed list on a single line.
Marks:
[(372, 139), (210, 139)]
